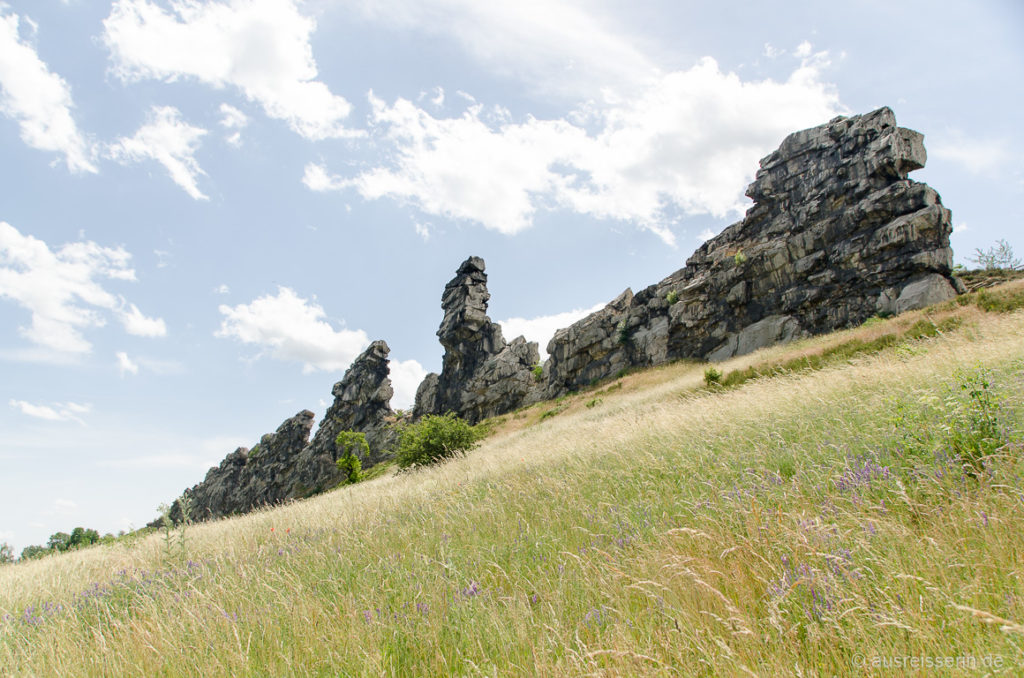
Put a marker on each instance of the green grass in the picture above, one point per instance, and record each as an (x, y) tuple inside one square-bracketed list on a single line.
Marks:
[(806, 523)]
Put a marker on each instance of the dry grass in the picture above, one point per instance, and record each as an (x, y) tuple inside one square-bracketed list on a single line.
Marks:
[(794, 525)]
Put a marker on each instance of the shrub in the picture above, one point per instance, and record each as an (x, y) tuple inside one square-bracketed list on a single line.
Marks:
[(622, 334), (6, 554), (998, 257), (351, 445), (740, 258), (672, 297), (712, 376), (434, 438), (538, 372)]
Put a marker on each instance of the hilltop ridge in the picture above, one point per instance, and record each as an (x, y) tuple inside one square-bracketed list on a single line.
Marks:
[(837, 234)]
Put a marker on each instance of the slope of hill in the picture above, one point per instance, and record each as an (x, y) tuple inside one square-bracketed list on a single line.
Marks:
[(853, 505)]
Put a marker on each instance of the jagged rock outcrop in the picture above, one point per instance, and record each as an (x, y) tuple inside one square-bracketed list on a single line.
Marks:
[(362, 402), (837, 233), (481, 375), (286, 464), (249, 478)]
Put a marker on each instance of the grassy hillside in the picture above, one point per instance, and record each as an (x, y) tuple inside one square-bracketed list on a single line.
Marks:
[(839, 507)]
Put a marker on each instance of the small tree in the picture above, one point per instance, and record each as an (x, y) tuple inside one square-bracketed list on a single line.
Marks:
[(82, 537), (33, 552), (59, 541), (351, 446), (999, 256), (433, 438), (6, 554)]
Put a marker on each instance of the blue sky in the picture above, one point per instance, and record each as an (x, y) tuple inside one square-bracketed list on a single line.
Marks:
[(209, 208)]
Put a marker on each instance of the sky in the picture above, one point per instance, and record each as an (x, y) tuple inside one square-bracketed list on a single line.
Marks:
[(209, 208)]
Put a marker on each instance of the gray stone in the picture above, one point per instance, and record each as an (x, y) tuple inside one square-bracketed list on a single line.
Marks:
[(836, 234), (481, 375)]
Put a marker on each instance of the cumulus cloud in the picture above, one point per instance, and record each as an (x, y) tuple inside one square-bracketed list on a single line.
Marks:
[(170, 141), (57, 412), (689, 144), (294, 329), (556, 45), (316, 178), (62, 290), (234, 121), (542, 328), (125, 364), (260, 47), (406, 376), (38, 99)]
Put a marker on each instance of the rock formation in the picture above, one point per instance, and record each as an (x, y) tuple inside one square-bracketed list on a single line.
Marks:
[(837, 233), (362, 402), (481, 376), (249, 478), (285, 464)]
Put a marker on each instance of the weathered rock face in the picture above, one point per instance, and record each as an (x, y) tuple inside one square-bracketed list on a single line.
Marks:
[(361, 403), (837, 234), (247, 479), (481, 375), (285, 464)]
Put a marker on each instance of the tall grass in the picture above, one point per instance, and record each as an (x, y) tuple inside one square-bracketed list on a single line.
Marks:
[(809, 523)]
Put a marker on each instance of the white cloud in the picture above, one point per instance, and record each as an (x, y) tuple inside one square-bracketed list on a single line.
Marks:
[(978, 156), (422, 230), (960, 228), (292, 328), (705, 235), (169, 140), (542, 328), (38, 99), (137, 324), (261, 47), (556, 45), (316, 178), (221, 289), (62, 291), (772, 52), (57, 412), (6, 535), (125, 364), (689, 143), (233, 119), (803, 50), (406, 376)]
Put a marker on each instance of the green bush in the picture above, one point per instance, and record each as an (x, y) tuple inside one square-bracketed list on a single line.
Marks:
[(538, 372), (351, 446), (434, 438), (740, 258), (712, 376), (672, 297)]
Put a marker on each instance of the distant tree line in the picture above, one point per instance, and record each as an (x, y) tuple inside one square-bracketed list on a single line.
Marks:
[(58, 542)]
